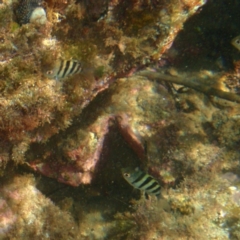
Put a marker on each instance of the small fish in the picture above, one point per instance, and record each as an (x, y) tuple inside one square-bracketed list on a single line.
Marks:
[(64, 68), (142, 181), (236, 42), (24, 10)]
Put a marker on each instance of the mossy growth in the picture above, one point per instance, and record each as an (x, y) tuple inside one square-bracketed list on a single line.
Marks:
[(99, 71), (135, 21), (5, 15), (14, 27), (122, 229), (14, 73), (184, 206), (81, 50), (48, 58)]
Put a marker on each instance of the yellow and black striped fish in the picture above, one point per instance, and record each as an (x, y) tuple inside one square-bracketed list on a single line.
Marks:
[(64, 68), (142, 181)]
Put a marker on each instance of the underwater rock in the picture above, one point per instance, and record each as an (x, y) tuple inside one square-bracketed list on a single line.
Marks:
[(131, 136), (78, 156), (22, 215), (82, 151), (132, 34), (38, 16), (34, 108), (30, 11), (60, 129)]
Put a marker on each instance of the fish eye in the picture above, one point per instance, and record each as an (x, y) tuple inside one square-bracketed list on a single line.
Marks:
[(126, 174), (49, 72), (238, 41)]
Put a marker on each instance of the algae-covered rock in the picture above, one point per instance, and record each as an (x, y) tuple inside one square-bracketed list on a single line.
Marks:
[(83, 128), (108, 38), (136, 109), (27, 214)]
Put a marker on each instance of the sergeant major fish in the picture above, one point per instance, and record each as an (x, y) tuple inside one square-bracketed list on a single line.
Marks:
[(142, 181), (236, 42), (64, 68)]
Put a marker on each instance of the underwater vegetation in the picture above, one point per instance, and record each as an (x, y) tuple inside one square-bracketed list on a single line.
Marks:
[(92, 87), (34, 107)]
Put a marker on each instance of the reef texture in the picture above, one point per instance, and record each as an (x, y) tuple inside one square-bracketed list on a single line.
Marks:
[(25, 213), (78, 154), (34, 108), (83, 129)]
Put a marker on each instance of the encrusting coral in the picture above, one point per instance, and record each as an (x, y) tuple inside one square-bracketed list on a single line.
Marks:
[(65, 128)]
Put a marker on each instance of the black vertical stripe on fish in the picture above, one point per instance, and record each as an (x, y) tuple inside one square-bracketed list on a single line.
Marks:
[(150, 188), (79, 68), (65, 69), (157, 190), (73, 68), (153, 188), (142, 181), (60, 68), (139, 177), (146, 183), (71, 63)]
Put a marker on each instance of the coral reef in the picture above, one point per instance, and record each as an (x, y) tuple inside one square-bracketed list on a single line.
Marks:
[(34, 108), (26, 214), (79, 150), (183, 152), (81, 129)]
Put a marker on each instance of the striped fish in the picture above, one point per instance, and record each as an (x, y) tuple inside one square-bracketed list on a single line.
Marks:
[(64, 68), (142, 181), (236, 42)]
